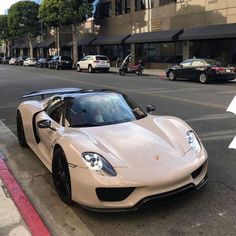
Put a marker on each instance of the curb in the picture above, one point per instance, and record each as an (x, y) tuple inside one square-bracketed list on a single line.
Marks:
[(26, 209)]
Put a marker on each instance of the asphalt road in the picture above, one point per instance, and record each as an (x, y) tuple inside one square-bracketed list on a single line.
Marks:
[(211, 211)]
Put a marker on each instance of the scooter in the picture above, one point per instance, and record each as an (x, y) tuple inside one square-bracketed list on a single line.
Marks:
[(127, 68)]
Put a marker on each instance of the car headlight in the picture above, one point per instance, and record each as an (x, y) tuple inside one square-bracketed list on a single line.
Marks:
[(193, 141), (96, 162)]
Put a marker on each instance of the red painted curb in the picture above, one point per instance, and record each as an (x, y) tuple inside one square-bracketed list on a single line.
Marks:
[(29, 214)]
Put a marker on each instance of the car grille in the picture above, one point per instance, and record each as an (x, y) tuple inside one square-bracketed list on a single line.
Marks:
[(113, 194)]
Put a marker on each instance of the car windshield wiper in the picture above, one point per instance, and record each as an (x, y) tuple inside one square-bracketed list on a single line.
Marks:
[(85, 125)]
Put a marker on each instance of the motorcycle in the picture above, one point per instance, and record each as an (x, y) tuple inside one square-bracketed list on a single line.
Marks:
[(126, 67)]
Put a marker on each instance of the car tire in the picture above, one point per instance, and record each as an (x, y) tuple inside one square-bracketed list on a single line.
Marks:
[(20, 130), (121, 72), (49, 66), (90, 69), (203, 78), (56, 67), (61, 176), (78, 68), (172, 76)]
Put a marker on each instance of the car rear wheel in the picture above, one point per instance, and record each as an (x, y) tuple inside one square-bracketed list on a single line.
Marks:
[(20, 130), (90, 69), (203, 78), (61, 176), (78, 68), (172, 76), (121, 72)]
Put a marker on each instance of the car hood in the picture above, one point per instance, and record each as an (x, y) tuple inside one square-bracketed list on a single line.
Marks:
[(143, 142)]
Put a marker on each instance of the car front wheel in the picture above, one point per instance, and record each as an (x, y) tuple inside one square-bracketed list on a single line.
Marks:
[(90, 69), (61, 176), (78, 68), (203, 78), (172, 76)]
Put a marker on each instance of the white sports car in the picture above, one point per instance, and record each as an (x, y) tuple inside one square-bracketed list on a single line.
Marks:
[(105, 152)]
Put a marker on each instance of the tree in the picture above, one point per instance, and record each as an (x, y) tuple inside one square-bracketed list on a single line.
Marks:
[(5, 35), (56, 13), (23, 21)]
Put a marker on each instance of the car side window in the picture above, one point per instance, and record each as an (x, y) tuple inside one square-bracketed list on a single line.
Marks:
[(196, 63), (186, 63), (55, 109)]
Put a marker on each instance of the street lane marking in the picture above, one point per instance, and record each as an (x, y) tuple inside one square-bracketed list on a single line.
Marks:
[(217, 135), (212, 117), (207, 104)]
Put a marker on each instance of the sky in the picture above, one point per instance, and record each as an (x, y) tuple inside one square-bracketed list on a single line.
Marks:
[(5, 4)]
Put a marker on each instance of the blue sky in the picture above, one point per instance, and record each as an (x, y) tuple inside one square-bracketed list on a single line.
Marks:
[(5, 4)]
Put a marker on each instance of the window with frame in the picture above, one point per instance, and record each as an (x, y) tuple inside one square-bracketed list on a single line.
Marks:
[(118, 7), (143, 4), (55, 109), (105, 10)]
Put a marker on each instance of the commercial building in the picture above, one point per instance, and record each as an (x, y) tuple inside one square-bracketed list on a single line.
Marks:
[(162, 32)]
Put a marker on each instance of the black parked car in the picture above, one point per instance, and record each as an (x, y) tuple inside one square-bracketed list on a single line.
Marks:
[(20, 61), (202, 70), (5, 60), (42, 63), (60, 62)]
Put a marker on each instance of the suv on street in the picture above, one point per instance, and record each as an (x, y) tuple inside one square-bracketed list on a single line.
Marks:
[(94, 63)]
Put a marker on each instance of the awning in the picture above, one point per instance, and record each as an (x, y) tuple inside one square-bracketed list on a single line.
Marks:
[(47, 43), (23, 45), (159, 36), (210, 32), (17, 45), (110, 40), (83, 41)]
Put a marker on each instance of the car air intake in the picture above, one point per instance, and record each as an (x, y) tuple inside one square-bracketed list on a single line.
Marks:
[(197, 171), (113, 194)]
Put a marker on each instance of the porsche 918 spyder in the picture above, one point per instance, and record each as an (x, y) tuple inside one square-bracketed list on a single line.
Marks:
[(105, 152)]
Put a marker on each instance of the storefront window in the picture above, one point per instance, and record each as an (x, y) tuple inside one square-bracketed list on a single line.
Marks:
[(113, 52), (159, 52)]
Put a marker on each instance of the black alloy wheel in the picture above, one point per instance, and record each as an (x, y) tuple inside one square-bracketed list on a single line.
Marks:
[(121, 72), (61, 176), (20, 130)]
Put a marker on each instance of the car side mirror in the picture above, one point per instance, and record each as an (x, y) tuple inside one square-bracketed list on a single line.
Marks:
[(45, 124), (150, 108), (181, 65)]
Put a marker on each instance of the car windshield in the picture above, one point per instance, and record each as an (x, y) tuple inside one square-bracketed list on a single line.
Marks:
[(101, 58), (100, 109)]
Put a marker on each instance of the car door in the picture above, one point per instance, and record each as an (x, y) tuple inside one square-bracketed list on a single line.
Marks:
[(55, 114), (184, 69), (196, 68), (83, 63)]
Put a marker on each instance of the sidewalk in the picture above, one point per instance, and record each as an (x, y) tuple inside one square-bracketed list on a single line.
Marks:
[(17, 215), (153, 72)]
